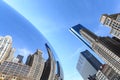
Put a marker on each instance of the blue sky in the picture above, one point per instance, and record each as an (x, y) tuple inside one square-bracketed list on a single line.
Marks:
[(53, 18)]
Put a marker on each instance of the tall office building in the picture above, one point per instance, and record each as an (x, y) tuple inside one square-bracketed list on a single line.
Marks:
[(112, 21), (11, 55), (107, 48), (6, 50), (36, 62), (87, 64), (20, 57)]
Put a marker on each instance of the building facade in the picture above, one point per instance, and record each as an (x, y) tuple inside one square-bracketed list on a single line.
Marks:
[(107, 73), (107, 48), (36, 62), (112, 21), (87, 64), (14, 71), (6, 50)]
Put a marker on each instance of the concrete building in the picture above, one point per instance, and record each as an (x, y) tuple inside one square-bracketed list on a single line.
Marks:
[(15, 60), (107, 73), (87, 64), (13, 71), (36, 62), (6, 50), (107, 48), (112, 21)]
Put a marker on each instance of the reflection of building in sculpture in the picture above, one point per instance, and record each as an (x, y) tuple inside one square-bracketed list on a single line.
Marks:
[(35, 68), (87, 64), (10, 70), (6, 50), (107, 48), (37, 65), (112, 21), (107, 73), (32, 70), (49, 69), (20, 57), (59, 73)]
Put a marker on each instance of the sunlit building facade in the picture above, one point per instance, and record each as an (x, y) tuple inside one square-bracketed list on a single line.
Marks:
[(36, 62), (107, 73), (10, 70), (112, 21), (6, 50), (107, 48), (87, 64)]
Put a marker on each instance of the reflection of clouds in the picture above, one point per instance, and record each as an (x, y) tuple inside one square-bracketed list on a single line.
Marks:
[(76, 53), (24, 52)]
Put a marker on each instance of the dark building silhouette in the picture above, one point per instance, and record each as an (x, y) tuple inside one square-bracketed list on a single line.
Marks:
[(49, 69), (20, 57)]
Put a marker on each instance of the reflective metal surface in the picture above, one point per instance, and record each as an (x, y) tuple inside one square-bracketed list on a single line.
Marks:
[(28, 42)]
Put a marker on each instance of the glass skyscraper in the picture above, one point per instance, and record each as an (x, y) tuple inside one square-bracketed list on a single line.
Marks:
[(87, 64)]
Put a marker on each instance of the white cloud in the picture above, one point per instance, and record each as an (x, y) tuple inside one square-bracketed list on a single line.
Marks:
[(22, 51), (76, 53), (25, 52)]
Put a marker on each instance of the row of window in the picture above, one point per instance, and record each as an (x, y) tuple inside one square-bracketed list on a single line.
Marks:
[(101, 76), (115, 32), (108, 59)]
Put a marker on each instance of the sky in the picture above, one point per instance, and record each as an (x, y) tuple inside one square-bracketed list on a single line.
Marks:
[(53, 18)]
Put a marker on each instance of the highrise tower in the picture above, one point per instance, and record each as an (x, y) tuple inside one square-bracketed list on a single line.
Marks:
[(6, 50), (87, 64), (112, 21), (36, 62), (107, 48)]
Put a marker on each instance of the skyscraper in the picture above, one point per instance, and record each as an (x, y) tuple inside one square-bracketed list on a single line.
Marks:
[(36, 62), (6, 50), (20, 57), (107, 48), (87, 64), (112, 21)]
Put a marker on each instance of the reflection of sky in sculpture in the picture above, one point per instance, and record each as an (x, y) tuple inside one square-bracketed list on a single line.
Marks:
[(26, 39), (57, 16)]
